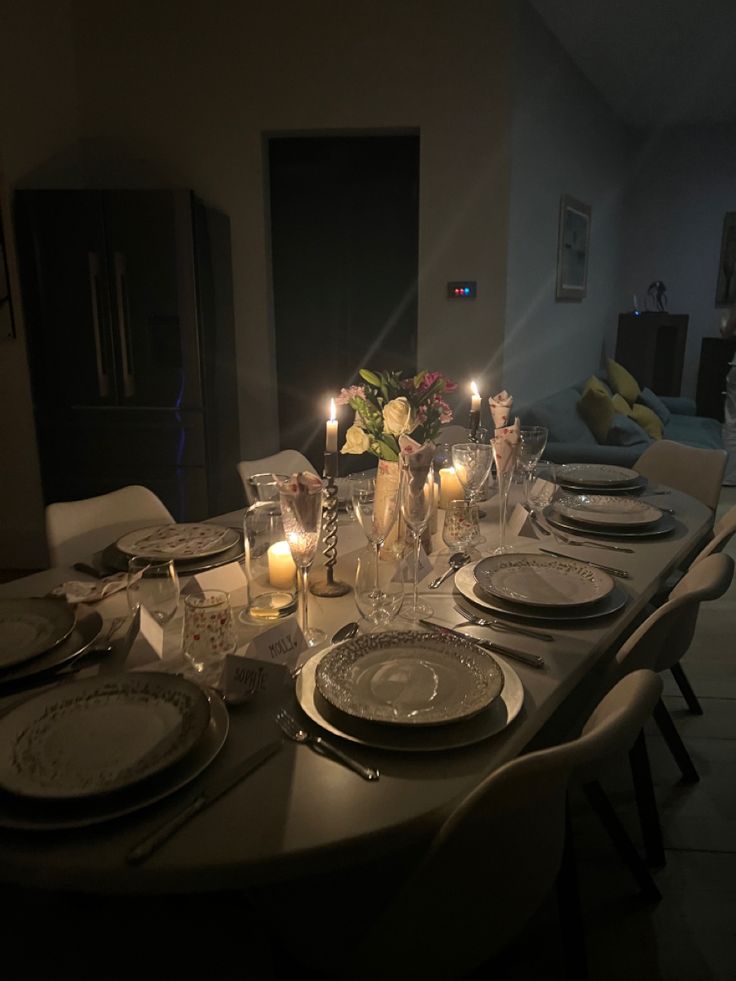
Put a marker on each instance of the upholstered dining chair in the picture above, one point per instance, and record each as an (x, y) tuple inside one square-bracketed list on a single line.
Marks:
[(487, 869), (693, 471), (453, 434), (76, 529), (283, 462)]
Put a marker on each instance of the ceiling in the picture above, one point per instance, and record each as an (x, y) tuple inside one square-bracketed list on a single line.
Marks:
[(656, 62)]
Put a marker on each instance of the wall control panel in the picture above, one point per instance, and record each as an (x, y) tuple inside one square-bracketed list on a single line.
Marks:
[(465, 290)]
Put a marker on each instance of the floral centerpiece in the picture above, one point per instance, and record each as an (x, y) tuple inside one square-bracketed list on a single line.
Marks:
[(390, 405)]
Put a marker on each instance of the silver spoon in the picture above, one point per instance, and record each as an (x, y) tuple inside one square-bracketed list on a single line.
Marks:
[(457, 561), (345, 632)]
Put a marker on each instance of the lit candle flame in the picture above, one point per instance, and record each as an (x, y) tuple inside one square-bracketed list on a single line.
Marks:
[(332, 410), (474, 389)]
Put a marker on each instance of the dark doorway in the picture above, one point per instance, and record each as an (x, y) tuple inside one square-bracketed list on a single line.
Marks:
[(344, 230)]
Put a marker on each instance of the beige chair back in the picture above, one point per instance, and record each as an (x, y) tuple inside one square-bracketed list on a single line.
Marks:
[(452, 435), (285, 462), (686, 468), (77, 529), (724, 530), (666, 635), (496, 857)]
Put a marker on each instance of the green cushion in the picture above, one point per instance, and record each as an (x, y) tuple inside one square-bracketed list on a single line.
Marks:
[(621, 405), (597, 410), (648, 420), (622, 381)]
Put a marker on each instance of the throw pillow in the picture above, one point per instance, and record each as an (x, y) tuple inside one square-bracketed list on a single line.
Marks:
[(621, 405), (598, 385), (622, 381), (596, 408), (655, 403), (625, 432), (648, 420)]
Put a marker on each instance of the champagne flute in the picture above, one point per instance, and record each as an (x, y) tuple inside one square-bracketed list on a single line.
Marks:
[(416, 492), (379, 603), (153, 585), (376, 514), (532, 442), (301, 513), (505, 454)]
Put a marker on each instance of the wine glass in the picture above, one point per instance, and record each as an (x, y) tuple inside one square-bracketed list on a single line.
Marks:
[(505, 454), (472, 463), (532, 441), (301, 513), (416, 493), (376, 512), (153, 585), (379, 601)]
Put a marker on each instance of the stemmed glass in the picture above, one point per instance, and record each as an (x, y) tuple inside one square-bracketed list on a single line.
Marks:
[(532, 441), (155, 585), (301, 513), (417, 496), (376, 514), (472, 463), (505, 455), (379, 602)]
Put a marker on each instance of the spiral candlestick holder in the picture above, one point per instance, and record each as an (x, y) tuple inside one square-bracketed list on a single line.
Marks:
[(330, 586)]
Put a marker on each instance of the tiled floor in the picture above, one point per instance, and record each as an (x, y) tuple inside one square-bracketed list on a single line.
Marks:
[(691, 934)]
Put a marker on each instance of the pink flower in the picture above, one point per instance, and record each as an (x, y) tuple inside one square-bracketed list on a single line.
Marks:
[(354, 392)]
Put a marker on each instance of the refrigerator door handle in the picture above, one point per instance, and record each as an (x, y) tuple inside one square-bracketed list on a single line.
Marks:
[(103, 380), (126, 353)]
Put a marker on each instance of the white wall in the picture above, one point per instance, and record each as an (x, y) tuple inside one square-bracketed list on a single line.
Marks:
[(564, 140), (39, 128), (683, 182)]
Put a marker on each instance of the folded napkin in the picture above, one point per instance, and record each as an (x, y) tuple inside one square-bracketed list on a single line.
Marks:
[(416, 459), (303, 491), (506, 447), (91, 592), (500, 406)]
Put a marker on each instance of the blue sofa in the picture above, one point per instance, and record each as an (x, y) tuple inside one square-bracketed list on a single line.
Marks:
[(571, 441)]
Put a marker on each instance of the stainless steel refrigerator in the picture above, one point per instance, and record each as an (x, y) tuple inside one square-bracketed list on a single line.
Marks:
[(128, 306)]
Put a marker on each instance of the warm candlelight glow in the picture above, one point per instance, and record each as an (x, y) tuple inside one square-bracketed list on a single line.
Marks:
[(281, 567), (332, 410), (450, 487), (475, 400), (331, 435)]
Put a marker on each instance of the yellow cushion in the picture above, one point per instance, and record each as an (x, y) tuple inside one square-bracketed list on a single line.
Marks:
[(595, 383), (621, 405), (623, 381), (648, 420), (597, 410)]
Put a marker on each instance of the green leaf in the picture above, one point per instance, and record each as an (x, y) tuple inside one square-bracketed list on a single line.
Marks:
[(371, 377)]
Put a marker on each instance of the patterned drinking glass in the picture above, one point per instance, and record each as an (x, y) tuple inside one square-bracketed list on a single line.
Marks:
[(209, 633)]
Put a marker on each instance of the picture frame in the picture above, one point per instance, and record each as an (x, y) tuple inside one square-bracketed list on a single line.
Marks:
[(573, 245), (726, 283)]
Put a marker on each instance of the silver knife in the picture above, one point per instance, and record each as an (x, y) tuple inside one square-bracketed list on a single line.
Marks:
[(621, 573), (532, 660), (218, 786)]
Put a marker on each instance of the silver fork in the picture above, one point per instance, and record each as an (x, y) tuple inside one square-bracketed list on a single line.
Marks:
[(291, 728), (566, 540), (500, 625)]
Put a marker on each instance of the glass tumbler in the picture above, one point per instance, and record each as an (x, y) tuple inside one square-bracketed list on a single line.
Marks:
[(209, 633), (461, 528), (153, 585), (269, 567)]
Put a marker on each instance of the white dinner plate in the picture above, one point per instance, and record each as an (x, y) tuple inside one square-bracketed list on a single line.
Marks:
[(499, 714), (31, 626), (85, 633), (569, 615), (664, 526), (23, 814), (607, 510), (178, 541), (596, 475), (409, 678), (98, 735), (541, 580)]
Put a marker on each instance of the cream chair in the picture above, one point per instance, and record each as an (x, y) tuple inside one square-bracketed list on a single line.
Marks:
[(723, 532), (694, 471), (453, 434), (487, 869), (76, 529), (284, 462)]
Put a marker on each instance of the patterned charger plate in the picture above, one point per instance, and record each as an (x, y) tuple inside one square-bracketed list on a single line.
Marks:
[(541, 580), (98, 735), (182, 541), (409, 678), (596, 475)]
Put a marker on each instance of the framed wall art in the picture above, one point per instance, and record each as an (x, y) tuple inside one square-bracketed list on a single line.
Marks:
[(572, 249)]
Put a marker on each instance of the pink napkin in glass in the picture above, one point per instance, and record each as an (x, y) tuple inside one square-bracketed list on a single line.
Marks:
[(416, 461), (302, 487), (500, 406), (506, 447)]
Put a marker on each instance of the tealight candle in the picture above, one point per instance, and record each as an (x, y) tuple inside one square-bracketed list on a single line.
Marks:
[(281, 567), (450, 487)]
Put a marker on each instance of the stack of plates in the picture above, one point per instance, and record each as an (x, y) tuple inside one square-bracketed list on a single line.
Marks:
[(608, 515), (529, 586), (408, 690), (193, 547), (97, 748), (38, 636), (599, 477)]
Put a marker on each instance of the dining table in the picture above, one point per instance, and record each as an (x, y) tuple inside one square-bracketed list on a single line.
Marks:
[(302, 812)]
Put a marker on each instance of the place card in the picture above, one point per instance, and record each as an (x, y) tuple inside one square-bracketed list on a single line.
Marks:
[(148, 639), (246, 678), (228, 578), (425, 566), (280, 644), (519, 524)]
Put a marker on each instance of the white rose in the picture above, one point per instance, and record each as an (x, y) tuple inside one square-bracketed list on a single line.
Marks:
[(398, 417), (356, 441)]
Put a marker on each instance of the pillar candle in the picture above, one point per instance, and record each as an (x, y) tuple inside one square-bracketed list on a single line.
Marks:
[(450, 487), (281, 567)]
